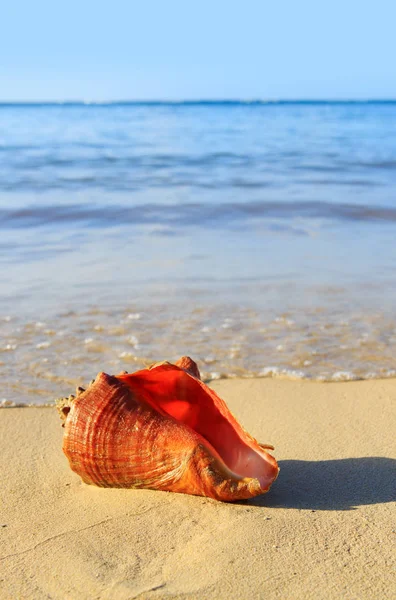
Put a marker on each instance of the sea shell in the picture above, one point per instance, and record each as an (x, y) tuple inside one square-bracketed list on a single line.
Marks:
[(163, 428)]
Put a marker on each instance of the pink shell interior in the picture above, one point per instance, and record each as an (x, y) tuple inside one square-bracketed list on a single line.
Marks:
[(173, 392)]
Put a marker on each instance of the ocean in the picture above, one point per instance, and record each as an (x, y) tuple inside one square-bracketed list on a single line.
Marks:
[(257, 237)]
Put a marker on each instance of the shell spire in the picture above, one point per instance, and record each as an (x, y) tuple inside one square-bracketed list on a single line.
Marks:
[(163, 428)]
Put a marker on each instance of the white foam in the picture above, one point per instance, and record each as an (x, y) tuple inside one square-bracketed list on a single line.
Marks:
[(10, 347), (284, 321), (5, 403), (281, 372), (390, 373), (133, 341), (215, 375), (269, 372), (344, 376), (134, 316)]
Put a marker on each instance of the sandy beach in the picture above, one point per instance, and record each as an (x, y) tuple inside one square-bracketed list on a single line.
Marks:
[(325, 530)]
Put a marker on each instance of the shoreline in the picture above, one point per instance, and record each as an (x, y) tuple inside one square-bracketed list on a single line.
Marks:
[(324, 530), (4, 404)]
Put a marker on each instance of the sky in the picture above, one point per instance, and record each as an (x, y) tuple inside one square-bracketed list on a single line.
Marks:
[(179, 49)]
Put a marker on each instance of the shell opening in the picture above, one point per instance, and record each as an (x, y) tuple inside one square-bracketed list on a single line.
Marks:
[(191, 402)]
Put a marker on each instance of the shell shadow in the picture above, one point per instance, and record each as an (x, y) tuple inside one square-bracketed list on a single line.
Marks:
[(342, 484)]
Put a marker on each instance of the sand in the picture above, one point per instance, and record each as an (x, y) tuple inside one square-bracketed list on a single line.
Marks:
[(326, 529)]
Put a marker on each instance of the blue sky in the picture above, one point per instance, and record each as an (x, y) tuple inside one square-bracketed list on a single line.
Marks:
[(171, 49)]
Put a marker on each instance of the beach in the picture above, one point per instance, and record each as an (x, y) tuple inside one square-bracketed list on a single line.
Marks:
[(326, 529), (257, 238)]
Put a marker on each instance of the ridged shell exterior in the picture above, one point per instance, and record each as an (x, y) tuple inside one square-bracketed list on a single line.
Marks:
[(114, 438)]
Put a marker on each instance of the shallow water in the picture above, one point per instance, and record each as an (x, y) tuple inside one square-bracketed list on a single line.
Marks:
[(259, 239)]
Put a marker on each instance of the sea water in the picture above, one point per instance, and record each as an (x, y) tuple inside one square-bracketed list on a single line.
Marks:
[(259, 238)]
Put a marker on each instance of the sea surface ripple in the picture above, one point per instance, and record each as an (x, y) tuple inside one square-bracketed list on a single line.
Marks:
[(258, 237)]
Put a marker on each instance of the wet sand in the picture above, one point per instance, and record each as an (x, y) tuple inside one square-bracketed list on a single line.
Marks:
[(325, 530)]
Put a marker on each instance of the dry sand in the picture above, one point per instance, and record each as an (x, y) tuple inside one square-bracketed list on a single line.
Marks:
[(326, 529)]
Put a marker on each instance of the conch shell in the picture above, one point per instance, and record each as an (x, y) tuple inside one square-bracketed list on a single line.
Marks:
[(163, 428)]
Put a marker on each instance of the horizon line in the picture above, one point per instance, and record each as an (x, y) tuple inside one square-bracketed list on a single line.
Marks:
[(195, 101)]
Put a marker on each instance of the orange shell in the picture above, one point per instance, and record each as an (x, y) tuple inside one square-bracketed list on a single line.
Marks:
[(163, 428)]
